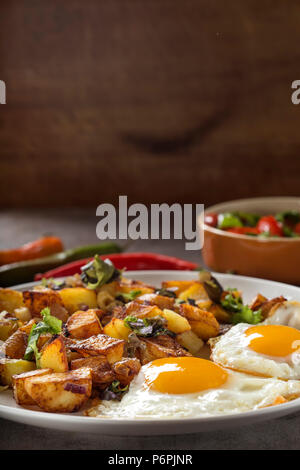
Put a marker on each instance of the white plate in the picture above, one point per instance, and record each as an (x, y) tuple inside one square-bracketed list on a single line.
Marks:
[(76, 422)]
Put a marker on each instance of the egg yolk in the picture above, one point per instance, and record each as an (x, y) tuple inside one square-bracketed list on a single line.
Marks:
[(179, 375), (273, 340)]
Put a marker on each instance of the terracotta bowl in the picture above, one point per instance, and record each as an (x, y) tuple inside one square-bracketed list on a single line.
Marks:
[(270, 258)]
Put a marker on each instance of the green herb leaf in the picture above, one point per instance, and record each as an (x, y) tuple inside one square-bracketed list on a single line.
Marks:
[(240, 313), (249, 220), (99, 272), (147, 327), (128, 297), (291, 216), (49, 324)]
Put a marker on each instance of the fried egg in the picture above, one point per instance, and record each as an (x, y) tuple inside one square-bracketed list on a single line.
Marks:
[(285, 313), (267, 350), (193, 387)]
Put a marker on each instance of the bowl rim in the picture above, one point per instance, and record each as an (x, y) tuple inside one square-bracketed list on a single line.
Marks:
[(258, 200)]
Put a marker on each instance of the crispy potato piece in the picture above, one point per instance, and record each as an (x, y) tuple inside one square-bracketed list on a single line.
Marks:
[(196, 292), (7, 327), (160, 346), (127, 285), (142, 311), (10, 300), (190, 341), (27, 327), (177, 286), (159, 301), (83, 324), (126, 369), (175, 322), (117, 329), (15, 346), (37, 300), (11, 367), (22, 314), (220, 313), (62, 392), (102, 374), (74, 298), (54, 355), (20, 394), (258, 300), (100, 345), (203, 323)]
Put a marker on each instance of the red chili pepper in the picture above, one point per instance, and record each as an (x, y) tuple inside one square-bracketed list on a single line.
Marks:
[(130, 261), (243, 230), (270, 225), (211, 219), (297, 228)]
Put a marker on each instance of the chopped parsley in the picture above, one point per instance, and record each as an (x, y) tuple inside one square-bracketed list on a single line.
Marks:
[(240, 313)]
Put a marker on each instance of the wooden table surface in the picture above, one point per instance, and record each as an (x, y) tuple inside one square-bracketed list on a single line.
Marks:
[(77, 227)]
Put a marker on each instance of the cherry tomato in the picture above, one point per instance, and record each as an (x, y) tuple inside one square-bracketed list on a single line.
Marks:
[(296, 229), (243, 230), (270, 225), (211, 219)]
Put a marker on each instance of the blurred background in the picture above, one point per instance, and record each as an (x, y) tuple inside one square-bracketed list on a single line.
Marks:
[(161, 100)]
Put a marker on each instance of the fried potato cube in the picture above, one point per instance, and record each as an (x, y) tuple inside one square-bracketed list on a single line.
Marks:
[(102, 374), (54, 355), (20, 394), (175, 322), (10, 300), (196, 292), (7, 327), (61, 392), (177, 286), (83, 324), (190, 341), (116, 328), (203, 323), (220, 313), (11, 367), (159, 301), (74, 298), (37, 300), (100, 345), (126, 369), (142, 311), (127, 285), (23, 314), (15, 346), (161, 346)]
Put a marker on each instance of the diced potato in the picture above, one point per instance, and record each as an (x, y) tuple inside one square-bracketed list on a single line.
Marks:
[(37, 300), (220, 313), (116, 328), (20, 394), (160, 346), (196, 292), (100, 345), (127, 285), (10, 367), (7, 327), (177, 286), (23, 314), (205, 329), (10, 300), (204, 304), (142, 311), (62, 392), (54, 356), (74, 298), (102, 374), (190, 341), (126, 369), (159, 301), (27, 327), (105, 299), (83, 324), (175, 322), (15, 346)]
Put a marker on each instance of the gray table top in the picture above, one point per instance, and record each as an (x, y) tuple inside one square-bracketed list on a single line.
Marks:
[(78, 227)]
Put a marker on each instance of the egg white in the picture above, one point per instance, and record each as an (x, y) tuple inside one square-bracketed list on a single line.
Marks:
[(285, 313), (231, 351), (241, 392)]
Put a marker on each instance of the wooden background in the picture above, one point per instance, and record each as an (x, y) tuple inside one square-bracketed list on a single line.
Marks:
[(162, 100)]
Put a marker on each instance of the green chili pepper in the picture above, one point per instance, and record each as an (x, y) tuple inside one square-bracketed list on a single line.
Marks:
[(17, 273)]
